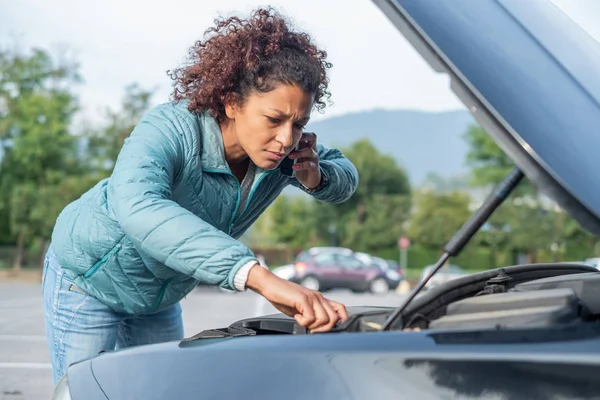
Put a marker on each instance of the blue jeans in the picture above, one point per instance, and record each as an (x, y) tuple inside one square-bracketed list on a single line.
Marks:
[(78, 326)]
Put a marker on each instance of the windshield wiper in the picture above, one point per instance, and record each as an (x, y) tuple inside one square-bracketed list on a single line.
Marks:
[(462, 237)]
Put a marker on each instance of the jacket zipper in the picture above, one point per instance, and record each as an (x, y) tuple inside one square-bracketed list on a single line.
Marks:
[(161, 294), (252, 191), (90, 272), (233, 218)]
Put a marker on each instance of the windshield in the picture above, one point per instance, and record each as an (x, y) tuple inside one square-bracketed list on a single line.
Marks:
[(381, 263)]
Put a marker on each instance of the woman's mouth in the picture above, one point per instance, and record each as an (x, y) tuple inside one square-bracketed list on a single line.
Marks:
[(275, 156)]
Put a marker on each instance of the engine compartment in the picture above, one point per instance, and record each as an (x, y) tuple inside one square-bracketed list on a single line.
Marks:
[(538, 308), (534, 296)]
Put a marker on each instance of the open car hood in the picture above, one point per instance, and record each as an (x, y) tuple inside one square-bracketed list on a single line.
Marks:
[(529, 76)]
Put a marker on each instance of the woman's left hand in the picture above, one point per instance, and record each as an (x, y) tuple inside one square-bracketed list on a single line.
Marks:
[(307, 167)]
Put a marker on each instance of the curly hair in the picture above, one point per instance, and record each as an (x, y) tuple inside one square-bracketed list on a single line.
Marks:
[(248, 55)]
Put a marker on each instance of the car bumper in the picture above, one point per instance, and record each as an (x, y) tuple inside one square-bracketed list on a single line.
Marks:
[(393, 284)]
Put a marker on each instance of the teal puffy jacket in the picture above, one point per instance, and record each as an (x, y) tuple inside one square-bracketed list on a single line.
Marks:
[(140, 240)]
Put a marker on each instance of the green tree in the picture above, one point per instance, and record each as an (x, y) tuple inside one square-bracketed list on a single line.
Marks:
[(534, 226), (495, 235), (293, 220), (438, 217), (36, 146), (380, 203), (382, 225), (371, 220), (379, 175), (489, 163), (22, 200)]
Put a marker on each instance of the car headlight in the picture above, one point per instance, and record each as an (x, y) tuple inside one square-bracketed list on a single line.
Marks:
[(61, 391)]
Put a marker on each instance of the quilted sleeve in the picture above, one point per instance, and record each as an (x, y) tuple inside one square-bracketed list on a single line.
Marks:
[(341, 174), (139, 194)]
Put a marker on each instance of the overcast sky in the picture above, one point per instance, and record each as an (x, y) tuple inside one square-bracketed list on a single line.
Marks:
[(118, 42)]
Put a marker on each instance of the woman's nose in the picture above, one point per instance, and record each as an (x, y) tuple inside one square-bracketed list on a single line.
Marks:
[(285, 136)]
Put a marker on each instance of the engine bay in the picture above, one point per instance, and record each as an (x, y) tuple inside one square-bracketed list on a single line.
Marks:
[(540, 303), (534, 296), (529, 296)]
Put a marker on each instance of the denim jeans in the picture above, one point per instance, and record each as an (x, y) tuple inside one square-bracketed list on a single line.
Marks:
[(78, 326)]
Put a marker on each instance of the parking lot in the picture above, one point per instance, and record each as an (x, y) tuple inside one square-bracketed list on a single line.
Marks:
[(25, 371)]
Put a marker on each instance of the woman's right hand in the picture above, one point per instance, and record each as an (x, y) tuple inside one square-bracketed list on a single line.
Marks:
[(308, 307)]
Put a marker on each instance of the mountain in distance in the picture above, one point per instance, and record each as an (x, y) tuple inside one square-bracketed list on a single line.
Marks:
[(426, 144)]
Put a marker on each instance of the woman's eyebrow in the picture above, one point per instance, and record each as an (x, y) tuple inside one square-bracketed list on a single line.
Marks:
[(283, 114)]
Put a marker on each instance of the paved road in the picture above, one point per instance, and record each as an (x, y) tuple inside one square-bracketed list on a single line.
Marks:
[(24, 363)]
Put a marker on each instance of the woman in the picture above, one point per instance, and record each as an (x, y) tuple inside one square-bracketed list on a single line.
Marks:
[(194, 174)]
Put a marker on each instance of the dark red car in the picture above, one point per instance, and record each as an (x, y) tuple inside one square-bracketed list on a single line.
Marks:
[(323, 268)]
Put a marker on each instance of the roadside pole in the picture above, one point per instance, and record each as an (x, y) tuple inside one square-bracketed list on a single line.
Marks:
[(403, 245)]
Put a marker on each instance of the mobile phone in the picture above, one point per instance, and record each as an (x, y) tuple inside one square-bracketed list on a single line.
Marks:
[(287, 164)]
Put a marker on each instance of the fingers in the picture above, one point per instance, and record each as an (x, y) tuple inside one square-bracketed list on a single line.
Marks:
[(308, 307), (308, 160), (319, 314), (307, 157), (309, 153), (308, 140), (311, 312), (316, 313), (306, 314), (306, 166), (330, 319), (340, 309), (322, 317)]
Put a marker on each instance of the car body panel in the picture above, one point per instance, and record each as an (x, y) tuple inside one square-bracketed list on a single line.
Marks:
[(82, 383), (357, 273), (394, 266), (351, 366), (266, 356), (326, 269), (529, 76)]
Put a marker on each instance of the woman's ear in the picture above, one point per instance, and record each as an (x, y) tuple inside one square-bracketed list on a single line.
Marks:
[(231, 106), (230, 110)]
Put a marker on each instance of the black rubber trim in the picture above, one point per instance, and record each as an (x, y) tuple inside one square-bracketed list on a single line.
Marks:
[(559, 333)]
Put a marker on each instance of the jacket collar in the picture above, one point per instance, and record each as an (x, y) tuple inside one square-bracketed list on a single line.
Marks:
[(212, 156)]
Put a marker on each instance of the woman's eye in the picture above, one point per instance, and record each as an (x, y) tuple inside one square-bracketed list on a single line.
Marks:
[(301, 127), (274, 120)]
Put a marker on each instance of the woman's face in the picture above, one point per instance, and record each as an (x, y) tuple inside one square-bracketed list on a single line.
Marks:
[(268, 126)]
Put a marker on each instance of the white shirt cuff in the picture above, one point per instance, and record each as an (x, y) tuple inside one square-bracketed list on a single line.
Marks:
[(241, 276)]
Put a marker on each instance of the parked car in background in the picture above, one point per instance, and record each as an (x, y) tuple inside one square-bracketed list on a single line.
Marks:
[(324, 268), (445, 274), (392, 277), (286, 271), (393, 265)]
